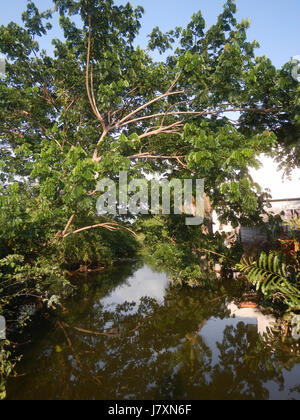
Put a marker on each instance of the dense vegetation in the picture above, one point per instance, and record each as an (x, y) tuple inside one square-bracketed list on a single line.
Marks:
[(100, 105), (277, 275)]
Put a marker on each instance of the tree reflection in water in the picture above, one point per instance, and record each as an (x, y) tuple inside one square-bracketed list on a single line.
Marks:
[(153, 350)]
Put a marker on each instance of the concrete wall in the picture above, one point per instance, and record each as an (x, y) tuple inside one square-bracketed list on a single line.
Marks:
[(251, 234)]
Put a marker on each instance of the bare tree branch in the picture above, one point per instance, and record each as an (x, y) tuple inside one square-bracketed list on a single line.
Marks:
[(149, 156), (160, 130), (87, 80), (111, 226), (158, 98), (201, 113), (68, 225), (174, 83), (95, 155)]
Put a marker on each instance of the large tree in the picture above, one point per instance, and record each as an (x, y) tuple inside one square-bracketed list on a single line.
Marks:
[(100, 105)]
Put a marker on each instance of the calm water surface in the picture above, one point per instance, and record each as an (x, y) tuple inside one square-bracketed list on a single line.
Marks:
[(159, 342)]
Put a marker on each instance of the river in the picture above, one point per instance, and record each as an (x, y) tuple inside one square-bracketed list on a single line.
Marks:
[(127, 334)]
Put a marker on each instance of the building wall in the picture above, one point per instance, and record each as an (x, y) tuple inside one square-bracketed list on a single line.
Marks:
[(289, 208), (251, 234), (286, 206)]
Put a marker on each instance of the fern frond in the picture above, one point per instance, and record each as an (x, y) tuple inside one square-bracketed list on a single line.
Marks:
[(293, 223), (271, 275)]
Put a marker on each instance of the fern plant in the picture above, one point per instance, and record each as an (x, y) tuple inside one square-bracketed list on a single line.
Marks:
[(277, 275), (274, 277), (294, 223)]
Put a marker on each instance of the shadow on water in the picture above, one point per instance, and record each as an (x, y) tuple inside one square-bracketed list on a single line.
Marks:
[(129, 335)]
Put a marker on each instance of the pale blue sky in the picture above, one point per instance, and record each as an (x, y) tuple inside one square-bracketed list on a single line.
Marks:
[(274, 23)]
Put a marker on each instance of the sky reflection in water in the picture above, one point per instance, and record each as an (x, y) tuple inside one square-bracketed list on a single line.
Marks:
[(162, 343)]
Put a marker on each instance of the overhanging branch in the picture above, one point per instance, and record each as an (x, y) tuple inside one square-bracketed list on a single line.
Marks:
[(109, 226)]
